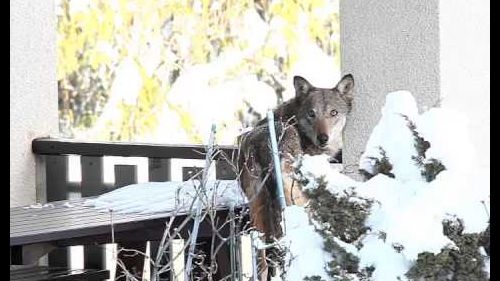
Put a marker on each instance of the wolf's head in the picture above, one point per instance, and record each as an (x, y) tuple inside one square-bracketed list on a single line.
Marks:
[(321, 113)]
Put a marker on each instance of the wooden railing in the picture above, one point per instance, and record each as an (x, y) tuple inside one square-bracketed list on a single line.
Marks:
[(53, 177)]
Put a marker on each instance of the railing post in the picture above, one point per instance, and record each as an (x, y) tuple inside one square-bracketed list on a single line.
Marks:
[(52, 178), (57, 183), (41, 178), (92, 184), (159, 171), (126, 175)]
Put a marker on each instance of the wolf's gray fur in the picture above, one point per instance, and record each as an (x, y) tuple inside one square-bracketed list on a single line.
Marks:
[(310, 123)]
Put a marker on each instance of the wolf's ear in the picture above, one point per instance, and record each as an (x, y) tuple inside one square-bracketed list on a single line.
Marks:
[(345, 87), (302, 86)]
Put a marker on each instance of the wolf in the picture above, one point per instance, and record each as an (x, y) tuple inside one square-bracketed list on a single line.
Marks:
[(310, 123)]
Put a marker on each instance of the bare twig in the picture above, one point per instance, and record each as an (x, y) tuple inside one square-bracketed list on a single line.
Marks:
[(204, 206), (196, 224)]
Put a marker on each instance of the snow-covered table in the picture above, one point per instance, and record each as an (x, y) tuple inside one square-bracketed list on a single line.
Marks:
[(84, 221), (80, 224)]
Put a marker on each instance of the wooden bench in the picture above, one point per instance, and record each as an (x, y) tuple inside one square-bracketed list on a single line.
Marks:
[(61, 227), (71, 222), (45, 273)]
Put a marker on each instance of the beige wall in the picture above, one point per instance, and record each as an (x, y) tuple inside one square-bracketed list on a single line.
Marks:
[(465, 67), (33, 90), (430, 48)]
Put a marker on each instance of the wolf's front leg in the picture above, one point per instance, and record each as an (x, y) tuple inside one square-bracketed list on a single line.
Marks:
[(292, 188), (290, 148), (263, 266)]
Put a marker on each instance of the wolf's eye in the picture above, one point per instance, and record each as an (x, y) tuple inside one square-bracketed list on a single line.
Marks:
[(311, 113), (333, 112)]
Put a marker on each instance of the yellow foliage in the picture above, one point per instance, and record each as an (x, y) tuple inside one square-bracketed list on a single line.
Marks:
[(93, 40), (187, 122)]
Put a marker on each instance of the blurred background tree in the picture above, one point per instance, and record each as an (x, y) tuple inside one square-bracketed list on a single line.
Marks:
[(162, 71)]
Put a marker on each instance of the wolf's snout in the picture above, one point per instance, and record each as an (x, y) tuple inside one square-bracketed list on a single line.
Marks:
[(323, 139)]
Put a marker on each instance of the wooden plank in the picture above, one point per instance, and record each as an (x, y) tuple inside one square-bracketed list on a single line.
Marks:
[(78, 234), (60, 217), (41, 178), (126, 175), (16, 255), (223, 261), (54, 221), (225, 257), (203, 247), (28, 273), (226, 165), (159, 169), (39, 273), (153, 249), (74, 231), (92, 176), (92, 184), (51, 146), (29, 223), (133, 262), (79, 230), (65, 218), (57, 179)]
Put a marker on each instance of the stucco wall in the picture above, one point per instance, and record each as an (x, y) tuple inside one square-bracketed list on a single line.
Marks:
[(426, 47), (33, 90), (465, 68)]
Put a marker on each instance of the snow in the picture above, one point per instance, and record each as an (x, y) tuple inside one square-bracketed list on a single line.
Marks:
[(319, 167), (208, 89), (310, 58), (392, 135), (305, 245), (406, 215), (407, 209), (487, 266), (39, 206), (152, 197), (486, 260), (125, 89), (155, 197), (68, 205), (388, 263)]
